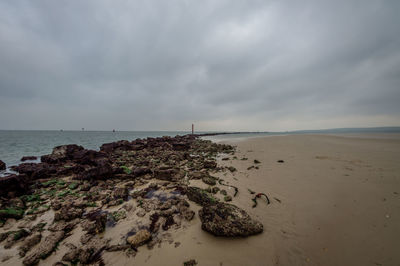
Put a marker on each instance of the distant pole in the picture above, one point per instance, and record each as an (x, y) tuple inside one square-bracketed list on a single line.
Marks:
[(192, 129)]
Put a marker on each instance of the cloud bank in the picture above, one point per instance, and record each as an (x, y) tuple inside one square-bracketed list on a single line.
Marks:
[(223, 65)]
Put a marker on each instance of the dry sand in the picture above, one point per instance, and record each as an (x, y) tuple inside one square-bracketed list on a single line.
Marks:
[(340, 205)]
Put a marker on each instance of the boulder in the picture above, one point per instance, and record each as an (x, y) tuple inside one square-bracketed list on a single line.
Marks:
[(2, 165), (139, 238), (223, 219)]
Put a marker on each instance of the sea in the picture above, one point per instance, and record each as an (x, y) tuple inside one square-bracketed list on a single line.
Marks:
[(14, 144)]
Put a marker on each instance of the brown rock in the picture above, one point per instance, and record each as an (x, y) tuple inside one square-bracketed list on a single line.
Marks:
[(28, 158), (223, 219), (44, 249), (139, 238), (28, 243), (67, 213)]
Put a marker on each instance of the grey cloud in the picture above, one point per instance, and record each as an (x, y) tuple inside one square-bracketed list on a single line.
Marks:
[(225, 65)]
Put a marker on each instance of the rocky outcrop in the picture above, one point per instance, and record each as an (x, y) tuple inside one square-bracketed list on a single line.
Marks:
[(223, 219), (2, 165)]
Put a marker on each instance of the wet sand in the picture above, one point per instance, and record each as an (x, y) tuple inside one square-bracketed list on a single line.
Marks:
[(339, 205)]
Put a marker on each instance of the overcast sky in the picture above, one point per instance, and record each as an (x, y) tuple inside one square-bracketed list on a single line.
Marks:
[(223, 65)]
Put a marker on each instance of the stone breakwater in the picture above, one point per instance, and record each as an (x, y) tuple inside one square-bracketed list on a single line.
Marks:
[(142, 185)]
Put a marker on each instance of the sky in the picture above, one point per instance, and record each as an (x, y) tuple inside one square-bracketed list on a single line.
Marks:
[(235, 65)]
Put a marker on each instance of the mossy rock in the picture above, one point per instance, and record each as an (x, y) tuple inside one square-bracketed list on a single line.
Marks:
[(11, 213)]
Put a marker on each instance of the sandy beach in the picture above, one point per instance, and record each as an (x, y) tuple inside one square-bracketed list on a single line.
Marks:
[(334, 200), (339, 205)]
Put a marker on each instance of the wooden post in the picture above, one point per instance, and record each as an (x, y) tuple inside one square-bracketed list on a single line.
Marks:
[(192, 129)]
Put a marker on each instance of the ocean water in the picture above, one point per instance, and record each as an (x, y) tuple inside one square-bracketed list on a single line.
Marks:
[(16, 144)]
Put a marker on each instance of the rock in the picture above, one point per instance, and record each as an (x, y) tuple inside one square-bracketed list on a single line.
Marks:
[(59, 263), (96, 222), (114, 248), (13, 185), (197, 175), (11, 213), (228, 198), (15, 236), (122, 145), (210, 164), (188, 214), (179, 146), (67, 213), (86, 238), (231, 169), (223, 219), (200, 196), (139, 238), (141, 213), (91, 251), (63, 226), (209, 180), (120, 193), (2, 165), (61, 154), (35, 170), (141, 171), (102, 170), (28, 243), (280, 161), (72, 255), (169, 174), (28, 158), (88, 157), (190, 263), (44, 249)]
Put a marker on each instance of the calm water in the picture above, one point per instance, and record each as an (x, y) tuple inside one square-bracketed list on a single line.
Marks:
[(16, 144)]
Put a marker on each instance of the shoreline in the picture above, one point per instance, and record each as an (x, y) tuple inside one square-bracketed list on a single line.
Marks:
[(334, 201)]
